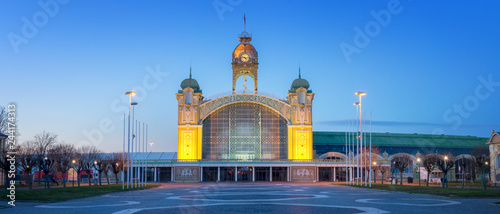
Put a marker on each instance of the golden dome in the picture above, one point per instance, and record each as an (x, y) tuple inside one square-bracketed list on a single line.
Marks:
[(248, 48)]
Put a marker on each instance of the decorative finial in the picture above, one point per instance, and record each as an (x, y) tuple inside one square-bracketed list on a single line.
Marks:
[(190, 72), (299, 73), (493, 131), (244, 22)]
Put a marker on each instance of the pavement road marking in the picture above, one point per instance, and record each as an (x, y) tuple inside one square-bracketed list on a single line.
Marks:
[(88, 206), (446, 202)]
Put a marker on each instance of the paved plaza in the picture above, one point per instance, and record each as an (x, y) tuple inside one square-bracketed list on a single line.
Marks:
[(261, 198)]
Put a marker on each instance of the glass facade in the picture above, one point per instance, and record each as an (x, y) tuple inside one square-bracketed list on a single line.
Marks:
[(245, 131)]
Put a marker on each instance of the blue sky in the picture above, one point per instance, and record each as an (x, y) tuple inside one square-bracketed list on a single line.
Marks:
[(432, 68)]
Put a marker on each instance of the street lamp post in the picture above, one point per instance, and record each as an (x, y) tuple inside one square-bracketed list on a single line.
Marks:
[(484, 169), (446, 174), (73, 161), (133, 137), (374, 174), (418, 161), (151, 144), (97, 168), (130, 94), (360, 94), (357, 104)]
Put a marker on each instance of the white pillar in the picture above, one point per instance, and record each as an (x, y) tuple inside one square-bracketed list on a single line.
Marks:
[(201, 174), (172, 174), (288, 173), (235, 173), (271, 174), (334, 174), (218, 174), (155, 175), (317, 174), (253, 174)]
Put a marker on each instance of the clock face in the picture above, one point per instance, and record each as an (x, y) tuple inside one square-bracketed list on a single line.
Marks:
[(244, 57)]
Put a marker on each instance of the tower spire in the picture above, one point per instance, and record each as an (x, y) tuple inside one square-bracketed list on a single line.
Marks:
[(244, 23), (189, 71), (299, 73)]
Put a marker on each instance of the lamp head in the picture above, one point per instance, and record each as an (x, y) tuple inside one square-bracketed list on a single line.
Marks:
[(134, 103), (130, 93), (357, 103), (360, 93)]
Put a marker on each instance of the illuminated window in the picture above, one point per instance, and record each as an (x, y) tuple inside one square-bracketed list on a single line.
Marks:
[(245, 131)]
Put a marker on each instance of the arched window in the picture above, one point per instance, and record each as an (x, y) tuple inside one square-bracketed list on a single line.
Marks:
[(245, 131)]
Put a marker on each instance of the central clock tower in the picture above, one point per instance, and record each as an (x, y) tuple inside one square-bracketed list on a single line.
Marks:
[(245, 60)]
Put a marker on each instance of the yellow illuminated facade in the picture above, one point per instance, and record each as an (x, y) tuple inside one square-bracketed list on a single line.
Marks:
[(248, 124)]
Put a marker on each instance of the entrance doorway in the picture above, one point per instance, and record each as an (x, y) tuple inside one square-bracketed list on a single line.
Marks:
[(262, 173), (280, 173), (164, 174), (244, 173), (227, 174), (325, 173), (209, 174)]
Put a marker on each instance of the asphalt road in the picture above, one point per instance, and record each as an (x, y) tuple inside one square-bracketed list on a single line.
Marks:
[(300, 198)]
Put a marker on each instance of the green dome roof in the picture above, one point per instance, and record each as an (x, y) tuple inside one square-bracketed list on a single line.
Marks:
[(297, 83), (190, 82)]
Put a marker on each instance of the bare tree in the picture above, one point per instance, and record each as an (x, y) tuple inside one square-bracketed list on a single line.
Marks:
[(464, 164), (5, 166), (46, 165), (63, 155), (3, 120), (100, 163), (429, 163), (480, 157), (116, 164), (382, 170), (88, 156), (79, 165), (42, 143), (444, 164), (401, 164), (26, 157), (480, 160)]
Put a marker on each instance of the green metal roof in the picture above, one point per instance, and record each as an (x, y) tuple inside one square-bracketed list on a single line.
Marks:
[(406, 140)]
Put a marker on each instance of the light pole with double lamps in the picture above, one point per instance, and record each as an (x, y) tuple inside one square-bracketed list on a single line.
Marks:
[(129, 94)]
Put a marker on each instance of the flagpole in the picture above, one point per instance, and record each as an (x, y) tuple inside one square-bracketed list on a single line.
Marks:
[(352, 151), (364, 150), (370, 148), (145, 155), (345, 124), (147, 126), (123, 155)]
